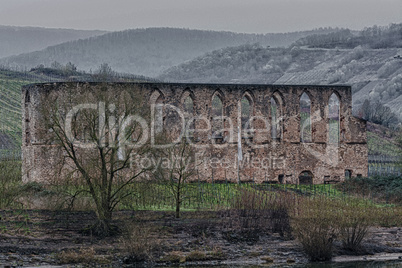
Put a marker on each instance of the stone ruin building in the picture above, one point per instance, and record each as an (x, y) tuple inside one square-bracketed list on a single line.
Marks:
[(288, 133)]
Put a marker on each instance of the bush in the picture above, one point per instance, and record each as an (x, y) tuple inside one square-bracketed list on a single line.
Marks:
[(10, 183), (385, 188), (253, 212), (353, 227), (138, 243), (322, 220), (315, 228)]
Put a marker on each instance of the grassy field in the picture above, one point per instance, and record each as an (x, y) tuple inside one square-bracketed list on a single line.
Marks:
[(378, 192)]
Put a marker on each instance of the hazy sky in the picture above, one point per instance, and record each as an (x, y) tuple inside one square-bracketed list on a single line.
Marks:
[(258, 16)]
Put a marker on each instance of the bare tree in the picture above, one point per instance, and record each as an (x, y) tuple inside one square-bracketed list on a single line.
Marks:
[(399, 142), (105, 73), (98, 131), (377, 113), (177, 167)]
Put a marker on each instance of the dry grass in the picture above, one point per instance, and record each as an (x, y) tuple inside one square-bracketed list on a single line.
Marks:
[(174, 257), (82, 256), (197, 256)]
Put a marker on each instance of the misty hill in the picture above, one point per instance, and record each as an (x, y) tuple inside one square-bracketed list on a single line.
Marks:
[(16, 40), (374, 74), (148, 51)]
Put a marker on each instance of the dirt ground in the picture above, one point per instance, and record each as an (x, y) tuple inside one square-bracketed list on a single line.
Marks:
[(33, 238)]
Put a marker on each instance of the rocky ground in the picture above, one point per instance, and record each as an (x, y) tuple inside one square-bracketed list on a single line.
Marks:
[(35, 238)]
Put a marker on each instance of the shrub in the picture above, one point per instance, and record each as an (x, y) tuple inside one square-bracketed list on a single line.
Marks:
[(322, 220), (10, 183), (255, 211), (385, 188), (353, 227), (139, 243), (314, 228)]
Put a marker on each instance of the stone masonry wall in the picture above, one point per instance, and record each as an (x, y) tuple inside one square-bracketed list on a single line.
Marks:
[(264, 158)]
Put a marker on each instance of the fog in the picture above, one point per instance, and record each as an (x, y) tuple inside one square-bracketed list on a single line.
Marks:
[(253, 16)]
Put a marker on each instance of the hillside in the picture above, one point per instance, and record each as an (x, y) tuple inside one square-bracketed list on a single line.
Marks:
[(369, 60), (374, 74), (371, 37), (147, 51), (16, 40), (10, 96), (383, 141)]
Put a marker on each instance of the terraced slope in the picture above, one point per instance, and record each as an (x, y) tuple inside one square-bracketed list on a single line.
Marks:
[(10, 99), (10, 110)]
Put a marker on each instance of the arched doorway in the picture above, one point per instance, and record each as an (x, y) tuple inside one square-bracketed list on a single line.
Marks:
[(306, 177)]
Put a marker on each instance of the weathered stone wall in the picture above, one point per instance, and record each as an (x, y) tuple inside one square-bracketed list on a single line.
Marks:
[(280, 159)]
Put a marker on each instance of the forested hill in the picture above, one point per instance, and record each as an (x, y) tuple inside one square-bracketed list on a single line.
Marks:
[(373, 37), (374, 74), (147, 51), (16, 40)]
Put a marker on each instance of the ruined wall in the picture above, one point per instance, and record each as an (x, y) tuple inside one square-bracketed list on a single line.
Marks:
[(266, 158)]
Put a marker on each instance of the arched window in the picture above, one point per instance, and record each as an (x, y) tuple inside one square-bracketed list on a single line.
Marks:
[(305, 118), (188, 105), (27, 97), (217, 117), (333, 119), (188, 109), (246, 112), (275, 119), (159, 115), (156, 101)]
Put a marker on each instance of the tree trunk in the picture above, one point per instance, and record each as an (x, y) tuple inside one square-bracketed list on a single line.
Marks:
[(178, 201), (103, 227)]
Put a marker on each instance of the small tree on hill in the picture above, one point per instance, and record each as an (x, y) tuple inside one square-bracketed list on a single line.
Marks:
[(377, 113), (399, 142), (104, 73)]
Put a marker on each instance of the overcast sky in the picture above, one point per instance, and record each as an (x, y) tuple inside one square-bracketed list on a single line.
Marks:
[(251, 16)]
